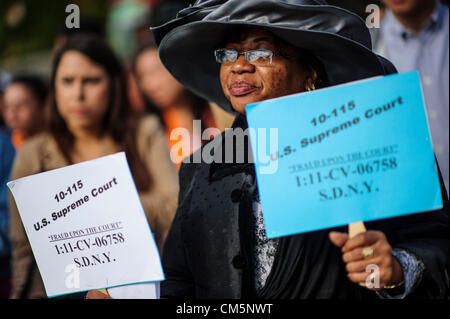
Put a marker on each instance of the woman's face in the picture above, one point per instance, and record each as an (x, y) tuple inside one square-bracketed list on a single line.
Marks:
[(81, 91), (156, 83), (244, 83), (21, 109)]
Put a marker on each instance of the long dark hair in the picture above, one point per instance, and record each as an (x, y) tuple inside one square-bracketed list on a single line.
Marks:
[(118, 121)]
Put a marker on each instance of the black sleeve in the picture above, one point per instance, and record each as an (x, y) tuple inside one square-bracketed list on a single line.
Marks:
[(179, 282), (424, 235)]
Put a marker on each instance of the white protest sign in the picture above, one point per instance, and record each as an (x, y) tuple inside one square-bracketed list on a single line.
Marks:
[(87, 227), (150, 290)]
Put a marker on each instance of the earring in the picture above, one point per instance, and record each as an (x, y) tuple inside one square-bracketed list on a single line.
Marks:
[(310, 87)]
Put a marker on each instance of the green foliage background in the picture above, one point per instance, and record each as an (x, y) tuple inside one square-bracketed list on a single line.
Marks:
[(42, 21)]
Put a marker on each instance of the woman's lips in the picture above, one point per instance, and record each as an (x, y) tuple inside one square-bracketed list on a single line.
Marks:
[(80, 112), (241, 88)]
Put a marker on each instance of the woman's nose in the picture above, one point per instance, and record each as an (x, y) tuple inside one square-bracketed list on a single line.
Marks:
[(241, 65), (79, 91)]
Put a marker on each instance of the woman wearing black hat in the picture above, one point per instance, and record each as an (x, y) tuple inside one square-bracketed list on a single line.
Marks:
[(238, 52)]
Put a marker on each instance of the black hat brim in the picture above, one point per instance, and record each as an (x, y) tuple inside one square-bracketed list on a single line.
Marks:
[(195, 66), (338, 38)]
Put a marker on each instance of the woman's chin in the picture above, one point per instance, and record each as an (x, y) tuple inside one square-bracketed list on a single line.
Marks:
[(85, 125), (239, 103)]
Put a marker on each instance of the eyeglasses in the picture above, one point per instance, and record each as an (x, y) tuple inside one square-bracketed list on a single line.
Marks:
[(258, 56)]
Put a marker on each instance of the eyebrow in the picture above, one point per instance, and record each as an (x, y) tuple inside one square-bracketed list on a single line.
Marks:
[(261, 39), (255, 40), (238, 40)]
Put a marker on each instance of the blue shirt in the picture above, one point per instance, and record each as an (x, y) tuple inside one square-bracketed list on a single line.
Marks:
[(6, 159), (427, 52)]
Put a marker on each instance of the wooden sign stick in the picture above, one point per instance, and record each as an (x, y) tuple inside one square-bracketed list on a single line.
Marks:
[(356, 228)]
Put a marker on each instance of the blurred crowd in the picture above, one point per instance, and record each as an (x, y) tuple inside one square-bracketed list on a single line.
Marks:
[(103, 95)]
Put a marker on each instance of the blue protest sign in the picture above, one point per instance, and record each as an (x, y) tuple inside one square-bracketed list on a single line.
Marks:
[(354, 152)]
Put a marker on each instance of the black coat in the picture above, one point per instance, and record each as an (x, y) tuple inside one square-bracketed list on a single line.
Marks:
[(209, 250)]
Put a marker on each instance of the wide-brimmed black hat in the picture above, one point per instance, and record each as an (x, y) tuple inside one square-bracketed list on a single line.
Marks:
[(337, 37)]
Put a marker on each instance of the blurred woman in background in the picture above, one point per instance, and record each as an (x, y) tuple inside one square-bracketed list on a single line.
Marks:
[(170, 101), (89, 118), (24, 104)]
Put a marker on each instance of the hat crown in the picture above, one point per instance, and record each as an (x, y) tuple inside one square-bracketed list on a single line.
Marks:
[(204, 4), (198, 5), (302, 15), (261, 11), (208, 3)]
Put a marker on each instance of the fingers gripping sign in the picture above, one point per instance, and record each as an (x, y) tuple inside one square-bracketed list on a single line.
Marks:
[(368, 258), (98, 294)]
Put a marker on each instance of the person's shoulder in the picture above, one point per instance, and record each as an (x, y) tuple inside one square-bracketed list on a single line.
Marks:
[(148, 124), (29, 155), (35, 148), (35, 143)]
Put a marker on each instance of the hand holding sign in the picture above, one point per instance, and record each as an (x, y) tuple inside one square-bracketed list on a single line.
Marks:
[(98, 294), (357, 260)]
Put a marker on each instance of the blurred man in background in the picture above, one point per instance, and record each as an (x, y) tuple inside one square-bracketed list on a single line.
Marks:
[(414, 36)]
